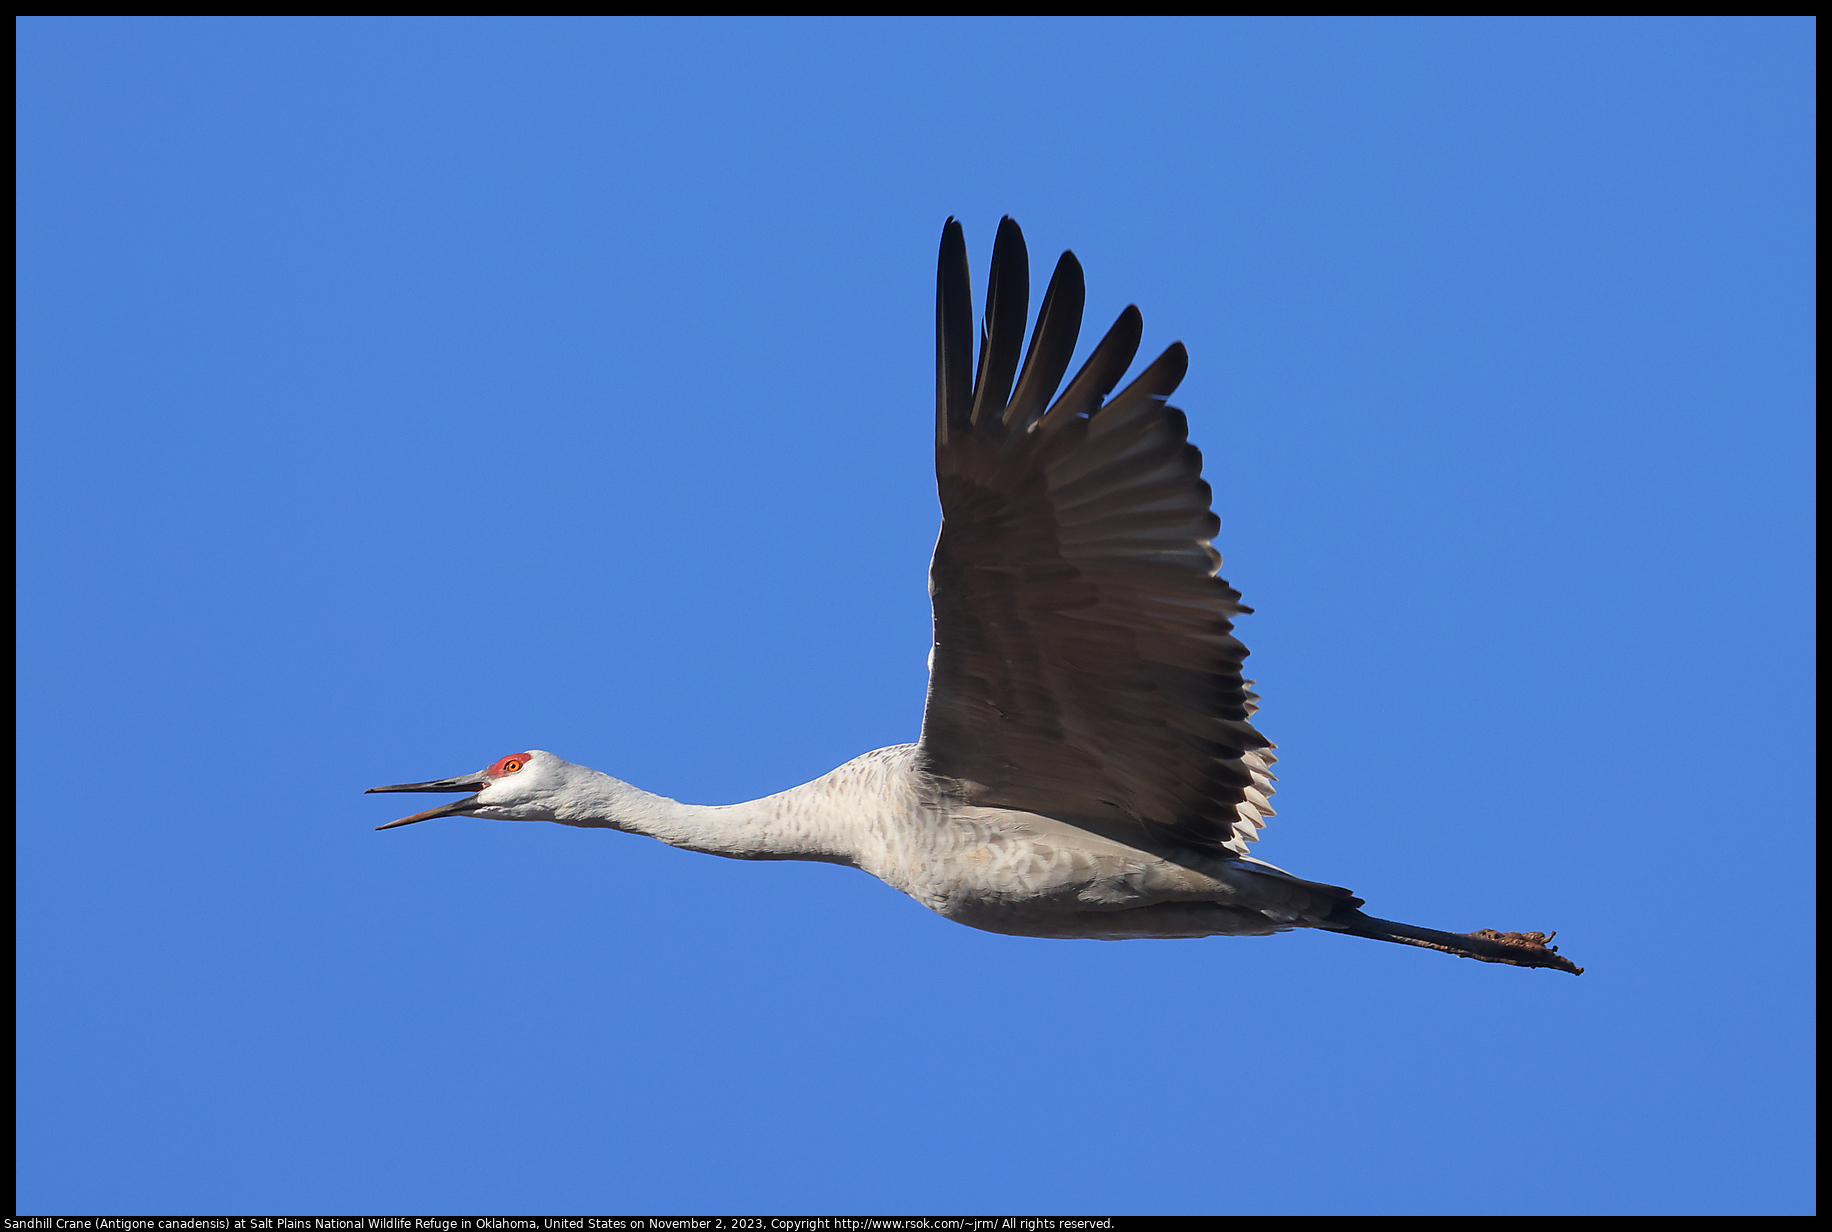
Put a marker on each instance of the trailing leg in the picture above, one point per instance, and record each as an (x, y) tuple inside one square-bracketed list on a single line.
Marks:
[(1483, 945)]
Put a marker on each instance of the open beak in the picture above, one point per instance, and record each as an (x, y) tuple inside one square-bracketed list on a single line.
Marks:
[(468, 782)]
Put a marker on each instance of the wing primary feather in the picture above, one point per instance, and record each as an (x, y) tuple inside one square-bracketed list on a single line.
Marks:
[(953, 335), (1052, 344), (1158, 382), (1002, 336), (1103, 370)]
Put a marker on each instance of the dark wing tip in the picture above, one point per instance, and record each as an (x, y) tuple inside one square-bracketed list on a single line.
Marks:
[(953, 333), (1002, 335), (1158, 382), (1052, 344), (1176, 356), (1104, 368)]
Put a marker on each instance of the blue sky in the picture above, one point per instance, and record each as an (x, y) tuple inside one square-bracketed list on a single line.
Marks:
[(397, 395)]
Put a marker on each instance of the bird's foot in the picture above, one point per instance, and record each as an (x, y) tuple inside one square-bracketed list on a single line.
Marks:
[(1534, 950)]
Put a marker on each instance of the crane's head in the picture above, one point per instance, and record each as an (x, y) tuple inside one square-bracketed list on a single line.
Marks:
[(515, 788)]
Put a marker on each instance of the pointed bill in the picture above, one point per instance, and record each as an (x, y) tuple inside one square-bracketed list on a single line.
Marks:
[(449, 810), (464, 782)]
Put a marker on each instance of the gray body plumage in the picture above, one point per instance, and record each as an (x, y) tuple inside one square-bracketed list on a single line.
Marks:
[(1000, 869)]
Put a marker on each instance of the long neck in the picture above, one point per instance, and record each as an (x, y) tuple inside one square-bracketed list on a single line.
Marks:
[(800, 824)]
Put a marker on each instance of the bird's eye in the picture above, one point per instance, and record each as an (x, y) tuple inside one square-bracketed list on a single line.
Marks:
[(508, 765)]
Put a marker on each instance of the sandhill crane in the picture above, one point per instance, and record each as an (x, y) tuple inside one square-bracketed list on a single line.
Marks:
[(1087, 766)]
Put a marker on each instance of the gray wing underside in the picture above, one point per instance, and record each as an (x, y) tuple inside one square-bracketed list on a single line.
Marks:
[(1084, 660)]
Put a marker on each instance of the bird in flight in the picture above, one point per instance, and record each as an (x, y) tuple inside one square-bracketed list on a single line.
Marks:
[(1088, 765)]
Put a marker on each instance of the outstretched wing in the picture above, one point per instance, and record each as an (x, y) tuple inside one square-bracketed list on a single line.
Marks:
[(1084, 661)]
